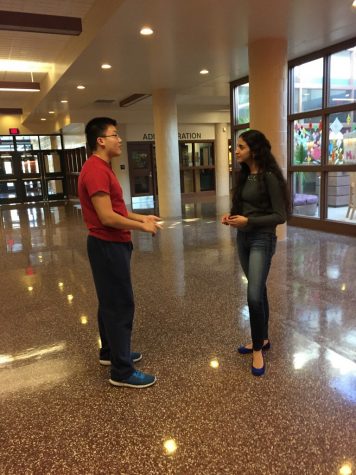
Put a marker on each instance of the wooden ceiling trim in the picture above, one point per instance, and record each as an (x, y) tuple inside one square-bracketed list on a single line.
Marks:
[(37, 23)]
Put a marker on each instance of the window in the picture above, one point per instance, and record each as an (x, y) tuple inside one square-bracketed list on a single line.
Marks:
[(322, 133), (240, 92), (307, 86)]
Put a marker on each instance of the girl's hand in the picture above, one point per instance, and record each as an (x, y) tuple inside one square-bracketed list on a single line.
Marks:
[(237, 221), (224, 219)]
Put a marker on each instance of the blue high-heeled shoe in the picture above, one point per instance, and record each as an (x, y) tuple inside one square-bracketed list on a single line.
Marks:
[(259, 371), (247, 351)]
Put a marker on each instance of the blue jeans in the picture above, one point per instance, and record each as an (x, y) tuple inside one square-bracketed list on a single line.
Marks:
[(110, 265), (255, 251)]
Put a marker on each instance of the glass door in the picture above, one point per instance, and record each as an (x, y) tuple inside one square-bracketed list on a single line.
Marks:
[(30, 179), (53, 174), (141, 166), (30, 170)]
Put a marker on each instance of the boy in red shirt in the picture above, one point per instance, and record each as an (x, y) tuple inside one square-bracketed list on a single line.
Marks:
[(109, 250)]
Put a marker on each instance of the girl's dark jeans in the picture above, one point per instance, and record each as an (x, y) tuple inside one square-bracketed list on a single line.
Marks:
[(255, 251)]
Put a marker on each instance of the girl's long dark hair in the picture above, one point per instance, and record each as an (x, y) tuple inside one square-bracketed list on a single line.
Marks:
[(260, 149)]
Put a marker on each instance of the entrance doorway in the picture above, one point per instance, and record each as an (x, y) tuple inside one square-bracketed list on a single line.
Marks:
[(27, 174), (143, 174)]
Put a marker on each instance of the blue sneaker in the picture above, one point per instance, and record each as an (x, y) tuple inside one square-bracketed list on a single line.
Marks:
[(136, 380), (135, 356)]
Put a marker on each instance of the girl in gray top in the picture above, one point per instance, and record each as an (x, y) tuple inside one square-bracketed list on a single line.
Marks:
[(260, 202)]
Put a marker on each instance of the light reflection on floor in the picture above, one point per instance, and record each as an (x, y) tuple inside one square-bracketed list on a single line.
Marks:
[(206, 414)]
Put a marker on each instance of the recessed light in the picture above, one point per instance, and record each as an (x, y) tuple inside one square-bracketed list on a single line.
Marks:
[(106, 66), (64, 101), (80, 86), (43, 118), (146, 31), (204, 71), (50, 112), (354, 3)]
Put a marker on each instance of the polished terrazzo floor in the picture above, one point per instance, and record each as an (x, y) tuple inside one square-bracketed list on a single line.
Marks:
[(59, 415)]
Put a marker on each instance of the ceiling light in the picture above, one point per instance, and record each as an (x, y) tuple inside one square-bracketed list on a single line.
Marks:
[(204, 71), (50, 112), (64, 101), (354, 3), (19, 86), (106, 66), (80, 86), (24, 66), (43, 118), (146, 31)]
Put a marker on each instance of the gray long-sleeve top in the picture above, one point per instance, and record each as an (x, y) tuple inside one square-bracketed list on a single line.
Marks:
[(263, 206)]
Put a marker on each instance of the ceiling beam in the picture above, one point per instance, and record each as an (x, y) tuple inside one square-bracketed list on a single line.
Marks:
[(10, 111), (36, 23)]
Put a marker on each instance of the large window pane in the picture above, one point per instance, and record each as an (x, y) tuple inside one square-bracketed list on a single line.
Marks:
[(29, 164), (27, 142), (6, 143), (351, 207), (6, 167), (33, 188), (53, 162), (342, 139), (341, 196), (307, 139), (342, 77), (306, 193), (307, 86), (55, 187), (242, 104), (49, 142), (7, 190)]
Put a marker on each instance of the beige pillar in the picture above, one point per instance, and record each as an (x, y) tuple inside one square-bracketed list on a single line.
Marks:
[(120, 165), (221, 160), (167, 153), (268, 97)]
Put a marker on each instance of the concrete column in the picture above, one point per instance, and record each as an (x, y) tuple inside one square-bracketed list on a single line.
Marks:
[(120, 165), (268, 97), (167, 153), (221, 160)]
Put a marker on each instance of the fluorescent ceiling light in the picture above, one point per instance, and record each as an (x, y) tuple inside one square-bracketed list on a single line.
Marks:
[(204, 71), (16, 86), (80, 86), (24, 66), (146, 31), (43, 118), (50, 112), (106, 66), (64, 101)]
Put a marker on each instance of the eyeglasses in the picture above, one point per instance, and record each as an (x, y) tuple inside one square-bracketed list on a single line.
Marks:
[(111, 135)]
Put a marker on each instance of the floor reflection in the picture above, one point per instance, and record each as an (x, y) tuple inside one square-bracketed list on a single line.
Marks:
[(191, 315)]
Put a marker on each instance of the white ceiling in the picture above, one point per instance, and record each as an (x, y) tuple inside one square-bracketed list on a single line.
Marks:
[(189, 35)]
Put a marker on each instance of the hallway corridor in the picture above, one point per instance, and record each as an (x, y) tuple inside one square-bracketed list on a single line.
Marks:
[(59, 414)]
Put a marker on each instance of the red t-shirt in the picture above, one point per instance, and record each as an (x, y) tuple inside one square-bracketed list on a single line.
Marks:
[(97, 175)]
